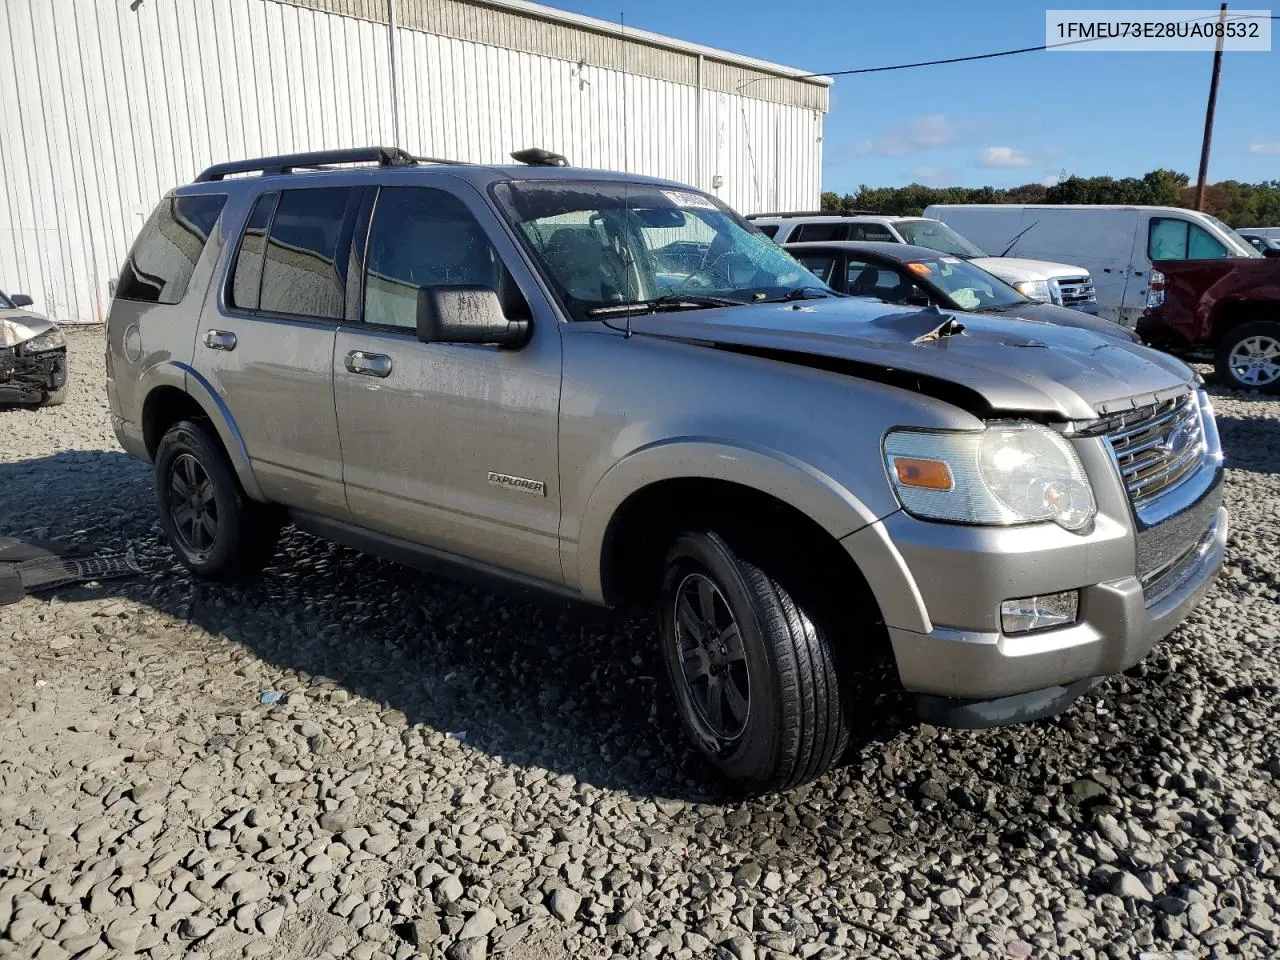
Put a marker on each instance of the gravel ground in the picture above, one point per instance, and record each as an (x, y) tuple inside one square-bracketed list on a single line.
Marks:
[(450, 772)]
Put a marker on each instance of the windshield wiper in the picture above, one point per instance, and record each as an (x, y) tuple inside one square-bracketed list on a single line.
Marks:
[(797, 293), (668, 301)]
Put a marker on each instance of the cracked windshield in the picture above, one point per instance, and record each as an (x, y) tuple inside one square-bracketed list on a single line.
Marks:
[(613, 248)]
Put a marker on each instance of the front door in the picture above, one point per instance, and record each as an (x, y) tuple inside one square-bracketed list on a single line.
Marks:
[(266, 346), (453, 446)]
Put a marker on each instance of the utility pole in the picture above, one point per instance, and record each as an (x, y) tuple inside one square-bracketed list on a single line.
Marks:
[(1208, 113)]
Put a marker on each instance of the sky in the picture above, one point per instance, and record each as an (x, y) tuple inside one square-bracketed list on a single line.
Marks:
[(1000, 122)]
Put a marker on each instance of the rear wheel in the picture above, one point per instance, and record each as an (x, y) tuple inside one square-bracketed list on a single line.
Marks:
[(753, 673), (1248, 357), (214, 528)]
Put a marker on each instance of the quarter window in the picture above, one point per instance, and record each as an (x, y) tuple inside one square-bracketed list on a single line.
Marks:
[(302, 274), (248, 271), (160, 265), (423, 237), (1171, 238)]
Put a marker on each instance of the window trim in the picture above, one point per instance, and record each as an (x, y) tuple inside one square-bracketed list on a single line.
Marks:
[(344, 242)]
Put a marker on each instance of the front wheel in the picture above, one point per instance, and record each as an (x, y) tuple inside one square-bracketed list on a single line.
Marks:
[(753, 674), (1248, 357), (214, 528)]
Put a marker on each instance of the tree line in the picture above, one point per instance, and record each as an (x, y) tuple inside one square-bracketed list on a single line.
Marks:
[(1238, 204)]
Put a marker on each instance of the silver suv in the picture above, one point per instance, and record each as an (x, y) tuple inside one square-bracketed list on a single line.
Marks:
[(616, 389)]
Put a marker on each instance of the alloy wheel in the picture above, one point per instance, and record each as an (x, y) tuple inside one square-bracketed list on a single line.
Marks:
[(1255, 361), (713, 660), (192, 504)]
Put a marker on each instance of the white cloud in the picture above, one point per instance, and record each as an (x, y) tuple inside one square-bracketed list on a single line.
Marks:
[(922, 133), (1052, 180), (1265, 146), (929, 174), (1003, 157)]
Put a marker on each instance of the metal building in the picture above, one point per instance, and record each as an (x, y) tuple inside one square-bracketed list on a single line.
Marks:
[(107, 104)]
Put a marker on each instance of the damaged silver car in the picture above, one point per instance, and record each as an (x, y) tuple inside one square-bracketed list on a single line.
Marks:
[(33, 355)]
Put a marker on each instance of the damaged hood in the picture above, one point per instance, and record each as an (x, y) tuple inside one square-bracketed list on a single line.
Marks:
[(19, 325), (1001, 365)]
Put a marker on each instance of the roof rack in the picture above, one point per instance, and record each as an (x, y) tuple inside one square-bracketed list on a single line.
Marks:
[(816, 213), (318, 159)]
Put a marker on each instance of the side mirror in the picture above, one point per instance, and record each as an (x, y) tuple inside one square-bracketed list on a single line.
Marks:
[(467, 314), (1271, 252), (21, 300), (917, 300)]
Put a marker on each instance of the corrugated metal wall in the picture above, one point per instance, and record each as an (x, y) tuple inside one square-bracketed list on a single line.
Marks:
[(117, 106)]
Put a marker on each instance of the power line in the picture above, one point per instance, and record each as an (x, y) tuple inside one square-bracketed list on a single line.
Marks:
[(985, 56)]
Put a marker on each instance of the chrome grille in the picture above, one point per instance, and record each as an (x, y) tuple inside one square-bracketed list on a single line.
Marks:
[(1076, 290), (1157, 446)]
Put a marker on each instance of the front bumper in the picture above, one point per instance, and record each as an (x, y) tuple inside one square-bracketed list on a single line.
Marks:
[(1117, 627), (29, 378)]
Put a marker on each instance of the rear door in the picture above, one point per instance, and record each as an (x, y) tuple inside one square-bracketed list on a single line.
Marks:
[(451, 446), (267, 346)]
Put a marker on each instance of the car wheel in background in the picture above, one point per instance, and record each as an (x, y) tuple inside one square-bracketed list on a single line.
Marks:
[(214, 528), (1248, 357), (753, 675)]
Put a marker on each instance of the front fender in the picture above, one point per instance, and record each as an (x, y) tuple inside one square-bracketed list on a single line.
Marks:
[(780, 475)]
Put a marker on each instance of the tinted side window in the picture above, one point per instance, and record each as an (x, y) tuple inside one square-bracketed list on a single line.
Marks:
[(819, 264), (770, 230), (872, 280), (301, 271), (423, 237), (160, 264), (248, 270), (870, 231), (820, 232)]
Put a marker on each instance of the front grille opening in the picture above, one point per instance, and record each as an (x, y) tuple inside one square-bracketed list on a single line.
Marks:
[(1158, 446)]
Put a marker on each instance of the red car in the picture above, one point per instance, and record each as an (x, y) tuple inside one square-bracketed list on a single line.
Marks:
[(1229, 308)]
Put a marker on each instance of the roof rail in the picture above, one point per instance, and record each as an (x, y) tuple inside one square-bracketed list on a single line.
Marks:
[(816, 213), (288, 162)]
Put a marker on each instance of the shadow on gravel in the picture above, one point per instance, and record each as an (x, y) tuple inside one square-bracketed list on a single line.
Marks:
[(572, 689), (1251, 443)]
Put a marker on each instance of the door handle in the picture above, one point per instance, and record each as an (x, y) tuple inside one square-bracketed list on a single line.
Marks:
[(368, 364), (220, 340)]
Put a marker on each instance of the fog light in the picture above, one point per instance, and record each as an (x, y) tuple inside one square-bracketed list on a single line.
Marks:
[(1039, 613)]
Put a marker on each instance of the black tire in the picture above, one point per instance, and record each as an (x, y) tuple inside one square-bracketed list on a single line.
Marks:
[(242, 534), (55, 398), (794, 727), (1236, 377)]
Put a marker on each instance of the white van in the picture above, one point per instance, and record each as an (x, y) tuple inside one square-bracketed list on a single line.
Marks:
[(1116, 243)]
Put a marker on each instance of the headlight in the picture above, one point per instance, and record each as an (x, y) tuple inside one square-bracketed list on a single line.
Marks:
[(1034, 290), (49, 340), (1009, 473)]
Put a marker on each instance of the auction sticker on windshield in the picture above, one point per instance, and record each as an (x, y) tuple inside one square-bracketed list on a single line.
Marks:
[(682, 199)]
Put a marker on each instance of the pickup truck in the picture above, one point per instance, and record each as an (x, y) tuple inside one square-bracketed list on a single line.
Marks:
[(1227, 307)]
